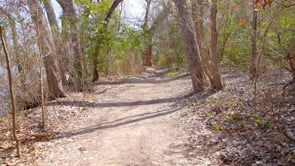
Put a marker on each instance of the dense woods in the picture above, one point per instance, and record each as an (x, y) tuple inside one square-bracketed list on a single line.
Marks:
[(54, 47)]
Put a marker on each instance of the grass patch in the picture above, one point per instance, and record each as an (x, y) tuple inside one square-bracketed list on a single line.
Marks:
[(173, 74)]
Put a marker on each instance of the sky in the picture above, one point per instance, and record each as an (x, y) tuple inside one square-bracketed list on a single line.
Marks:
[(133, 10)]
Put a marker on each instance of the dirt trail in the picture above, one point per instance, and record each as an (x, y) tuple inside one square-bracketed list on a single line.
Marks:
[(130, 123)]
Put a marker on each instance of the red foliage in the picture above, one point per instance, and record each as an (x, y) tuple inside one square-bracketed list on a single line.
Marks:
[(263, 3)]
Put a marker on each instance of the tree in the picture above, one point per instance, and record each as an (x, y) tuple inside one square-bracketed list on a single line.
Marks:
[(16, 50), (47, 50), (105, 23), (147, 56), (11, 90), (60, 49), (215, 71), (150, 31), (209, 55), (198, 17), (253, 62), (192, 50), (70, 17)]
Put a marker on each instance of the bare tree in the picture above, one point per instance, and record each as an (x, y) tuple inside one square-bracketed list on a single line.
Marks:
[(16, 50), (253, 61), (192, 50), (147, 56), (60, 49), (210, 59), (11, 90), (70, 16), (198, 16), (47, 50), (215, 71)]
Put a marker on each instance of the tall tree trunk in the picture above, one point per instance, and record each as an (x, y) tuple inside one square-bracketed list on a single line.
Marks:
[(253, 61), (95, 74), (11, 91), (147, 61), (78, 64), (60, 51), (217, 83), (47, 50), (192, 50), (147, 53), (197, 10)]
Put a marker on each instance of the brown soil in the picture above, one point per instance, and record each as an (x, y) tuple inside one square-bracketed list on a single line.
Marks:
[(130, 122), (151, 119)]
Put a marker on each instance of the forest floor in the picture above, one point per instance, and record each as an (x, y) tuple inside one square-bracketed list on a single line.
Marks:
[(152, 119)]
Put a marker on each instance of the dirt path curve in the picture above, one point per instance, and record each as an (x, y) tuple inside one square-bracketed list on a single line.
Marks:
[(130, 123)]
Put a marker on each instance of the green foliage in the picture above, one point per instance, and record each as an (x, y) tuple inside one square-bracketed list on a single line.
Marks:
[(260, 122), (236, 51), (173, 74), (230, 119), (268, 124), (112, 48), (291, 157), (168, 45), (4, 21), (216, 127), (107, 45), (275, 32), (208, 114)]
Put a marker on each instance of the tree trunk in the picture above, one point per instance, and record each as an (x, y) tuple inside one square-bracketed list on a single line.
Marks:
[(197, 10), (217, 83), (11, 91), (95, 74), (47, 50), (78, 62), (147, 53), (18, 58), (147, 59), (60, 51), (253, 62), (150, 32), (192, 50)]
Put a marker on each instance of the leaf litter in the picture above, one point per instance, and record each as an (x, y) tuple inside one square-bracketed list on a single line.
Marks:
[(235, 127), (229, 127)]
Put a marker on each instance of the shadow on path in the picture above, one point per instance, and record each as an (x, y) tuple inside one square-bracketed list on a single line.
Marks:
[(117, 123), (114, 104), (140, 81)]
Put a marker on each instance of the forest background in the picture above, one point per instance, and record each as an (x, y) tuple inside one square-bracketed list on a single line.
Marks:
[(51, 55)]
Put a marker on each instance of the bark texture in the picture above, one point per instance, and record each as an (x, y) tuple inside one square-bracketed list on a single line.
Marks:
[(215, 71), (47, 50), (60, 51), (11, 91), (70, 16), (192, 51), (253, 61), (198, 16)]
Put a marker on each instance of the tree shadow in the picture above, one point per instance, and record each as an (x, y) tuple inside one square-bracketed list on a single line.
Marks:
[(134, 118), (149, 80), (118, 122), (103, 91), (114, 104)]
